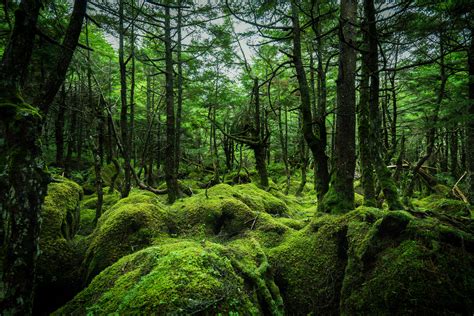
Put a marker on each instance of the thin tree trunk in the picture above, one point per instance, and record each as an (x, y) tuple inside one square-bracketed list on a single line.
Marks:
[(124, 108), (170, 161), (179, 86)]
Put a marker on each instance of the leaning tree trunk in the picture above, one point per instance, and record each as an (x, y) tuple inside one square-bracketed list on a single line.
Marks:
[(340, 197)]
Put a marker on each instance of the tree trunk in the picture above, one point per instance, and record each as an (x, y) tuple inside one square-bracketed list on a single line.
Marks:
[(314, 143), (383, 174), (179, 86), (124, 107), (340, 197), (23, 180), (170, 161), (366, 164)]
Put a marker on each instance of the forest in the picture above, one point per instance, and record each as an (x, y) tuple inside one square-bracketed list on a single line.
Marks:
[(237, 157)]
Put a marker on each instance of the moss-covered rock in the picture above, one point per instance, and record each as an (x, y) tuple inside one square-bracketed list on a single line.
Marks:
[(182, 277), (60, 214), (255, 198), (217, 215), (60, 258), (376, 262), (131, 224)]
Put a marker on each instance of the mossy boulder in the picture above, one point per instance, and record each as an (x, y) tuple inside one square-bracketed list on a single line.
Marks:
[(61, 212), (255, 198), (131, 224), (371, 261), (223, 217), (59, 259), (217, 215), (181, 277)]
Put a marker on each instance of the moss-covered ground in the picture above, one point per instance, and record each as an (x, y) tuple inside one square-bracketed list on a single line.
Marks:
[(238, 249)]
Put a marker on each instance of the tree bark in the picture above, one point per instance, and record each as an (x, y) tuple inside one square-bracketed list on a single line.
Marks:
[(170, 161), (340, 197), (23, 180), (383, 174), (124, 107), (314, 142)]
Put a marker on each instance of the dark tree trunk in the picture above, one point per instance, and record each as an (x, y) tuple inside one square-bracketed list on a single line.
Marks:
[(179, 86), (383, 174), (314, 142), (23, 180), (124, 108), (366, 164), (170, 161), (340, 197)]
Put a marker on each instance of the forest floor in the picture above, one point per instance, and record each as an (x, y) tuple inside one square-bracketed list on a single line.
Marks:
[(238, 249)]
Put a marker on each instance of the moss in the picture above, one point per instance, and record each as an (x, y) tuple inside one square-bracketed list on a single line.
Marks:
[(179, 278), (59, 259), (450, 207), (60, 212), (13, 106), (222, 216), (309, 265), (109, 200), (87, 224), (256, 199), (334, 204), (296, 224), (358, 199), (128, 226), (371, 261)]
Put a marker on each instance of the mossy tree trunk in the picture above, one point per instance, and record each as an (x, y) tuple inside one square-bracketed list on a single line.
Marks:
[(23, 179), (340, 197)]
